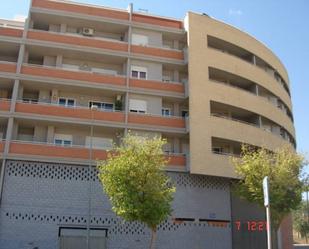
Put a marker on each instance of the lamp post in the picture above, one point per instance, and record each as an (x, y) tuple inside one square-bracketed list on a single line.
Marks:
[(93, 108)]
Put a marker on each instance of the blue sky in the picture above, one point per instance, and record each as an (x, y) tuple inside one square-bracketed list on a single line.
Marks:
[(281, 25)]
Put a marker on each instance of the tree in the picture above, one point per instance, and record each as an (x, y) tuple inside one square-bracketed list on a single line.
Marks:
[(301, 222), (283, 167), (134, 179)]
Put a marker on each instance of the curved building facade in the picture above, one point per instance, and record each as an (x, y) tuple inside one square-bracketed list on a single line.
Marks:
[(203, 85)]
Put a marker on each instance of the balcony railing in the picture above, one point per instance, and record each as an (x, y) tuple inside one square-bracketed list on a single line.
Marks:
[(83, 112), (80, 112), (230, 154), (43, 149), (103, 43), (264, 69), (2, 144), (251, 124), (98, 77), (5, 104), (7, 66), (157, 120), (253, 93), (69, 74)]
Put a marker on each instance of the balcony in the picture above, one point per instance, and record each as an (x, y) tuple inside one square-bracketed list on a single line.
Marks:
[(235, 81), (243, 54), (78, 153), (60, 73), (77, 40), (7, 67), (174, 87), (2, 143), (157, 121), (111, 45), (242, 68), (158, 52), (107, 13), (11, 32), (74, 112), (243, 132), (5, 105), (82, 114)]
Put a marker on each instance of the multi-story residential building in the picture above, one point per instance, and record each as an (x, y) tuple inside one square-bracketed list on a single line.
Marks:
[(205, 86)]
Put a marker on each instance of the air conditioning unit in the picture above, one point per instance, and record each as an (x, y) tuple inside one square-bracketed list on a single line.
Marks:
[(88, 32)]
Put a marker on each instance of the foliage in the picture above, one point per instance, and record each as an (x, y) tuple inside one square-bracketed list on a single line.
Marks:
[(301, 220), (283, 167), (133, 177)]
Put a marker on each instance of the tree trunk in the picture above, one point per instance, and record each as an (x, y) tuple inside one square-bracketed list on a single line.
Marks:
[(153, 237)]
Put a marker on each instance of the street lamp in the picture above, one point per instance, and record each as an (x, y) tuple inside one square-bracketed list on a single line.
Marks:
[(93, 108)]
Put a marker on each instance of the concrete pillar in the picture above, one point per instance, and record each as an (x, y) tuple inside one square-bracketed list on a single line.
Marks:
[(254, 60), (257, 90), (50, 134), (260, 122), (14, 95)]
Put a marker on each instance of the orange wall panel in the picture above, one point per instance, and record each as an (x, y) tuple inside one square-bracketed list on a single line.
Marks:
[(171, 54), (1, 146), (4, 105), (55, 151), (79, 41), (157, 85), (8, 67), (87, 10), (65, 74), (157, 21), (69, 112), (11, 32), (176, 160), (156, 120)]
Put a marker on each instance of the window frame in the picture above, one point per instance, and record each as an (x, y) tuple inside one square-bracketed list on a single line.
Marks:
[(139, 70), (67, 101), (91, 102)]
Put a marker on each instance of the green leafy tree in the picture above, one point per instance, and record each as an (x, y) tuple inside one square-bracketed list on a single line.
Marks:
[(301, 221), (283, 167), (133, 177)]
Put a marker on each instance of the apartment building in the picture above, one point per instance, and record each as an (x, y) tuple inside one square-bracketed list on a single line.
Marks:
[(77, 76)]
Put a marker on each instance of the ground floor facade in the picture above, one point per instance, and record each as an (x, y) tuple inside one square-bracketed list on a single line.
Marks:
[(45, 206)]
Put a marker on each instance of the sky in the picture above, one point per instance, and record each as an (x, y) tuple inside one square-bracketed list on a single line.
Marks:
[(281, 25)]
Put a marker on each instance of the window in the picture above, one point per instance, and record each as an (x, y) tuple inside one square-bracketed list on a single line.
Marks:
[(139, 106), (138, 72), (63, 139), (99, 142), (166, 111), (102, 105), (138, 39), (66, 102)]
